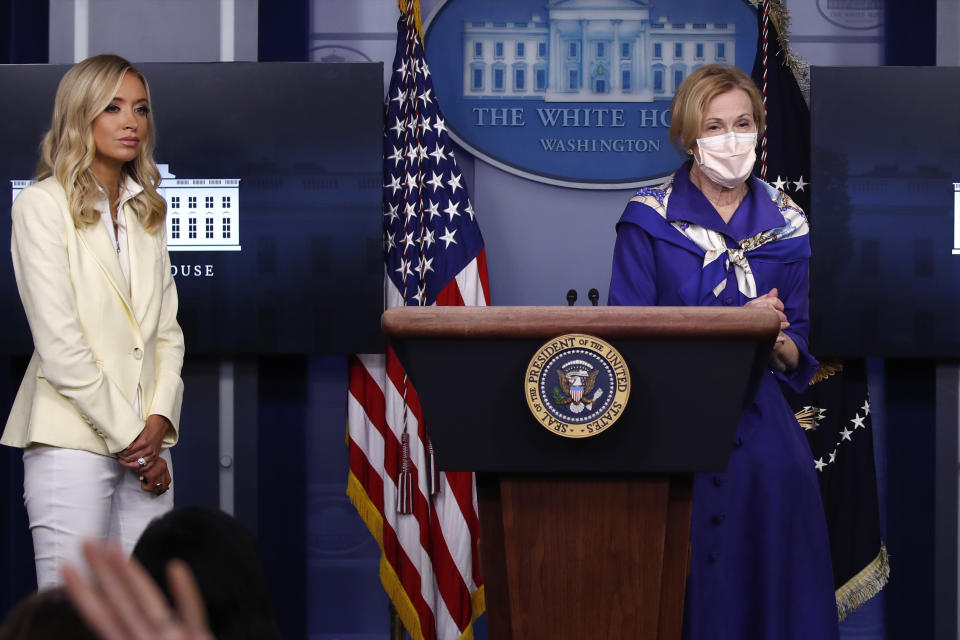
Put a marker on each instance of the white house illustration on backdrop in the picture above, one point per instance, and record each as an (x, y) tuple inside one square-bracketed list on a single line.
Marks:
[(203, 214), (589, 51)]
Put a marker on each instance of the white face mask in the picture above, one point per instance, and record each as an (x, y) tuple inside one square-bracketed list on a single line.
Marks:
[(727, 159)]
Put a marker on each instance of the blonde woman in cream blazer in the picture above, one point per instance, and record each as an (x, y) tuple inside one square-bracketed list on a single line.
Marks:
[(99, 405)]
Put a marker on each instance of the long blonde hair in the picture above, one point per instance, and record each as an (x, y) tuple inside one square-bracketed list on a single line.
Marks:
[(68, 148)]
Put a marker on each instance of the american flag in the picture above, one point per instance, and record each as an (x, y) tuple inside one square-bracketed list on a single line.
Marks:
[(424, 520)]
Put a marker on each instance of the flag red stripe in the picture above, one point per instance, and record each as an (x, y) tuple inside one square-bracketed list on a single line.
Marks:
[(461, 483), (396, 374), (452, 590), (405, 569), (482, 270), (368, 393), (374, 405), (410, 579), (450, 582), (450, 296), (455, 594), (367, 476)]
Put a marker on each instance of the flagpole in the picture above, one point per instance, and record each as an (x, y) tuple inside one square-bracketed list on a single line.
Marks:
[(397, 632)]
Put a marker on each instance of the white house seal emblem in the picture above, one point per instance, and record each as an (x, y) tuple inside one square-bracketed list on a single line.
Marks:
[(577, 385)]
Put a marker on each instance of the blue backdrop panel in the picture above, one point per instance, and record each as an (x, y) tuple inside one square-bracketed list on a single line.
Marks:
[(273, 191), (888, 213)]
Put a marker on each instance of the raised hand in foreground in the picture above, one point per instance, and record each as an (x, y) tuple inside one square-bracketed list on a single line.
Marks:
[(123, 602)]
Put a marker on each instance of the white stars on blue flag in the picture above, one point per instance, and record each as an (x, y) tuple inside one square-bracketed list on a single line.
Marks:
[(430, 232)]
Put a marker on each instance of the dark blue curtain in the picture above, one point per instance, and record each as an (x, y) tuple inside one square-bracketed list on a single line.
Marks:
[(910, 33), (283, 35), (910, 453), (910, 39), (283, 31), (281, 497), (24, 29)]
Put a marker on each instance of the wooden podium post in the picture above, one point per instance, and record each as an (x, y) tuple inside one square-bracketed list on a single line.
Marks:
[(584, 538)]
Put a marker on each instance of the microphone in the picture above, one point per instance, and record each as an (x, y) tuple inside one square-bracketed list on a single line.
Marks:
[(594, 296), (571, 297)]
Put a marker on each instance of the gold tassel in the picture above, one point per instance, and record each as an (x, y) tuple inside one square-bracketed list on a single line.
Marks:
[(864, 585), (402, 4), (405, 481)]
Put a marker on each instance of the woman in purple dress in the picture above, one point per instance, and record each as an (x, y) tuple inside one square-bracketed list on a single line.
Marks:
[(713, 234)]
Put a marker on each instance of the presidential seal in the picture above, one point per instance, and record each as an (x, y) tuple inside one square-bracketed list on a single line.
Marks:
[(577, 385)]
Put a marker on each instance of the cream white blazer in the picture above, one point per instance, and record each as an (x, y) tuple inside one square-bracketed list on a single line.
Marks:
[(95, 339)]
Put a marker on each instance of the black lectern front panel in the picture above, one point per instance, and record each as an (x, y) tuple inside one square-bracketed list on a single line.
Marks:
[(681, 416)]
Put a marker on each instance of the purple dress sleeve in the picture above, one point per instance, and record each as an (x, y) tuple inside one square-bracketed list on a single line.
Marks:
[(646, 272), (794, 292), (633, 281)]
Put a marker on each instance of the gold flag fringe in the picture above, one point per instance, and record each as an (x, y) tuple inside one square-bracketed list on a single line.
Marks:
[(826, 369), (781, 20), (402, 4), (864, 585), (389, 578)]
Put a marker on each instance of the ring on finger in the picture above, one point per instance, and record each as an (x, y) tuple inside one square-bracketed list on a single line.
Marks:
[(142, 462)]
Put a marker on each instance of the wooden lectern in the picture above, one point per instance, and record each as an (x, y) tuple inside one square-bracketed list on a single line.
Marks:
[(584, 538)]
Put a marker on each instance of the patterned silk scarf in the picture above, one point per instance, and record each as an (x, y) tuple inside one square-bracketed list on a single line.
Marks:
[(714, 245)]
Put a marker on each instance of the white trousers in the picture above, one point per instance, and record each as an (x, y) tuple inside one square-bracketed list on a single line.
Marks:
[(72, 496)]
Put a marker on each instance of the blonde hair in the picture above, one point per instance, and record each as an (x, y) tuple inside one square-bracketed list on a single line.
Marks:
[(68, 148), (695, 93)]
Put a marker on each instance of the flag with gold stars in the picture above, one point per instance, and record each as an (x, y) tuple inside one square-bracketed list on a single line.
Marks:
[(834, 410)]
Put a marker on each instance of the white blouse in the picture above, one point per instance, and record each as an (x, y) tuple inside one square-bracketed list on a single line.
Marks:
[(130, 189)]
